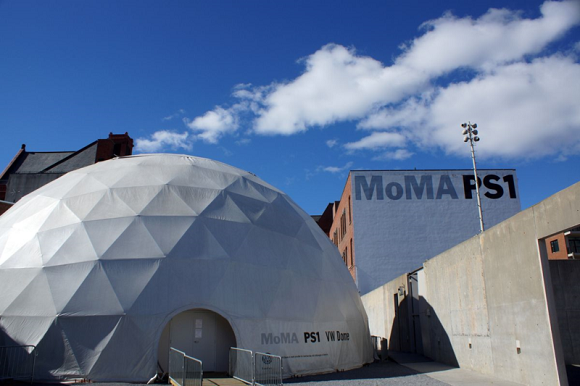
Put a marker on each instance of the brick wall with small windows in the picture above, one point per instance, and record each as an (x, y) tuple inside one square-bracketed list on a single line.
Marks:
[(342, 231)]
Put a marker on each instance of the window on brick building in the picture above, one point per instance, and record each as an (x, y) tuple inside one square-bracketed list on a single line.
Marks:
[(349, 213), (554, 246)]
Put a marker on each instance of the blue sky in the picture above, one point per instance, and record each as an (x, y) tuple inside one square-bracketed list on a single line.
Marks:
[(299, 92)]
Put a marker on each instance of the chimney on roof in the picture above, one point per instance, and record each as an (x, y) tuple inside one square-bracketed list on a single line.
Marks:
[(23, 147)]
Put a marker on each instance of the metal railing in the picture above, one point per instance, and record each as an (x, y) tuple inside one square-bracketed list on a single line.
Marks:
[(255, 368), (241, 364), (17, 362), (267, 369), (184, 370)]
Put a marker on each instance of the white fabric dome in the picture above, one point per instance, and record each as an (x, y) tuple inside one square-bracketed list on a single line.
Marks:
[(94, 265)]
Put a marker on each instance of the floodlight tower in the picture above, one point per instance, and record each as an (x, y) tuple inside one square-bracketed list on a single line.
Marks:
[(470, 133)]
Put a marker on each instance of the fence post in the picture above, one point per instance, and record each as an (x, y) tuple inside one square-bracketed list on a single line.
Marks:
[(253, 369), (183, 372)]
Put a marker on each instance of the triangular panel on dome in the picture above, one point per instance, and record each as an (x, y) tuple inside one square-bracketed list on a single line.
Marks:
[(167, 203), (167, 230), (26, 330), (196, 198), (267, 191), (88, 347), (128, 278), (182, 284), (64, 282), (206, 178), (279, 216), (106, 174), (290, 288), (110, 206), (305, 260), (243, 187), (77, 248), (29, 255), (232, 238), (125, 367), (61, 360), (199, 243), (34, 300), (95, 296), (262, 247), (52, 240), (253, 208), (224, 208), (305, 235), (85, 184), (13, 281), (20, 212), (82, 205), (61, 216), (103, 233), (31, 223), (249, 282), (134, 243), (328, 307), (137, 197)]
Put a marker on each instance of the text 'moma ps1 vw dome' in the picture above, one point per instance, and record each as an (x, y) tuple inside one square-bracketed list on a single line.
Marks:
[(106, 267)]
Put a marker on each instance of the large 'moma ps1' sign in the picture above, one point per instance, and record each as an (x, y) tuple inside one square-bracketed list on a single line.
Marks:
[(433, 187)]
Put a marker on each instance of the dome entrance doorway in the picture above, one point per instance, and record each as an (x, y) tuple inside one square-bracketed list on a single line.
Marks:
[(202, 334)]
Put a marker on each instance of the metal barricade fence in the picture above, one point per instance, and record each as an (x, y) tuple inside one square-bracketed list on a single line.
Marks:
[(183, 369), (193, 371), (267, 369), (241, 365), (17, 362)]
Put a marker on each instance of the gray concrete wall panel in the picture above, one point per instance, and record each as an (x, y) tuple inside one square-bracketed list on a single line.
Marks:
[(493, 293)]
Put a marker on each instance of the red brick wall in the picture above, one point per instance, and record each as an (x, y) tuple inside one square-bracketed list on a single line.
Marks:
[(562, 254), (344, 228)]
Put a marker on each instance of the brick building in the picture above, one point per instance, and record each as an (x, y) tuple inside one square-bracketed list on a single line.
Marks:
[(564, 245)]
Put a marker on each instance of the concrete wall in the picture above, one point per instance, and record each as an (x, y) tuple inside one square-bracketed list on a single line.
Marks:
[(492, 293)]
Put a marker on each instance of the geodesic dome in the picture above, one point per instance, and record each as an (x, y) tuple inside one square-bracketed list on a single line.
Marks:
[(94, 265)]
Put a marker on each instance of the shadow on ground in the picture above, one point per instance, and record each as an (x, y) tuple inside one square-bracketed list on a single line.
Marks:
[(377, 370)]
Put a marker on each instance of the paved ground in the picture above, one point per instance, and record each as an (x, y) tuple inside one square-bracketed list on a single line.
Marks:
[(411, 370), (452, 376), (377, 374)]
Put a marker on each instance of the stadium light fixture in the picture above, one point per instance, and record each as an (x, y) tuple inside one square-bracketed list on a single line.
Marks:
[(470, 135)]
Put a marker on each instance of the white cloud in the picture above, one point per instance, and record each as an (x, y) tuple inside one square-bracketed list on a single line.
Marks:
[(243, 141), (338, 85), (214, 124), (332, 142), (335, 169), (524, 110), (524, 102), (397, 155), (498, 37), (163, 139), (179, 113), (378, 140)]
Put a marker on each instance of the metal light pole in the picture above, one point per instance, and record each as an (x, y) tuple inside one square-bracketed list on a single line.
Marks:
[(470, 133)]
